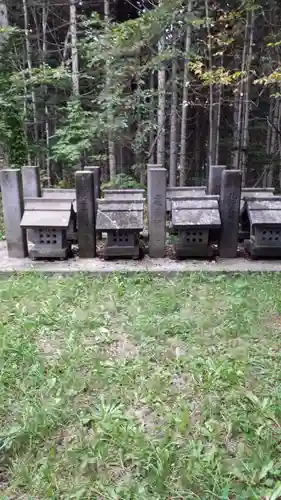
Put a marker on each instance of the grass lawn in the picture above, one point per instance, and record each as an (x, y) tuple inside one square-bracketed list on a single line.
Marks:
[(140, 388)]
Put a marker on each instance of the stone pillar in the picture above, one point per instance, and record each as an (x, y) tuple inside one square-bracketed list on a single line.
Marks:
[(230, 211), (97, 184), (97, 176), (12, 198), (86, 214), (156, 201), (215, 178), (154, 165), (31, 182)]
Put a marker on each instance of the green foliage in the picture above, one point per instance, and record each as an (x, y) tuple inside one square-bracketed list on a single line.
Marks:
[(124, 112), (16, 140), (123, 181), (271, 79), (74, 137), (118, 97), (11, 104)]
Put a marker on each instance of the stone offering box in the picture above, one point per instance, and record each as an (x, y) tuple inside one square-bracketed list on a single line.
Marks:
[(49, 221), (264, 215), (176, 193), (195, 219), (122, 220)]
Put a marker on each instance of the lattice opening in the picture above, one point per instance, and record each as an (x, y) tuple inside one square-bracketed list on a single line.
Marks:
[(271, 235), (47, 236), (194, 237), (120, 238)]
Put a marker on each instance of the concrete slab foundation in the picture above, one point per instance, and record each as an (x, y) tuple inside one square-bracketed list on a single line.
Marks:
[(165, 266)]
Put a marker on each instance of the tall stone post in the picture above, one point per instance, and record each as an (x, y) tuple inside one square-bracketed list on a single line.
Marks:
[(230, 212), (156, 201), (97, 178), (97, 184), (12, 198), (154, 165), (215, 179), (86, 214), (31, 189), (31, 182)]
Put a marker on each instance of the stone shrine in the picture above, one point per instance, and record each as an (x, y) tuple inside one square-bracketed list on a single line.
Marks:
[(122, 221), (194, 219), (49, 221)]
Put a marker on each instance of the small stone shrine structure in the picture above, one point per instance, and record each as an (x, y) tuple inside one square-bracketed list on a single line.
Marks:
[(122, 220), (244, 232), (264, 216), (49, 221), (175, 193), (255, 193), (61, 194), (64, 195), (123, 194), (195, 219)]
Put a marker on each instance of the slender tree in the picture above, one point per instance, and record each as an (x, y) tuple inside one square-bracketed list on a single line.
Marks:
[(184, 106)]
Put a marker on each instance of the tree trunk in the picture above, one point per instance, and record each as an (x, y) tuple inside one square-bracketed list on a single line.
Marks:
[(238, 111), (4, 23), (111, 144), (268, 140), (74, 51), (246, 108), (46, 117), (29, 65), (183, 138), (161, 109), (236, 130), (271, 143), (212, 142), (278, 139), (279, 142), (241, 111), (218, 120), (173, 128), (151, 154), (197, 142)]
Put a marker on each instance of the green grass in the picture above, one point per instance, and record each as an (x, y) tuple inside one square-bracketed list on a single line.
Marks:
[(140, 388)]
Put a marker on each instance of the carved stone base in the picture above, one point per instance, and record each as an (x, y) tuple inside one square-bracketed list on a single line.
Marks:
[(193, 251), (47, 252), (116, 252), (261, 252)]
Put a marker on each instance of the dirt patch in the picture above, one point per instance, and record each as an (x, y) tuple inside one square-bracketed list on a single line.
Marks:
[(4, 483), (176, 348), (145, 418), (119, 474), (274, 322), (121, 349), (195, 413), (183, 382), (65, 437), (51, 347)]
